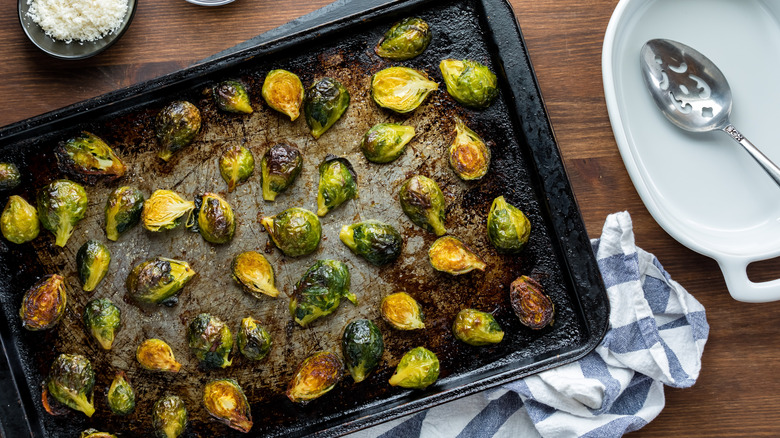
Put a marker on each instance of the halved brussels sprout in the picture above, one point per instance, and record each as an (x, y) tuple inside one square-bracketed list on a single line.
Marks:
[(401, 89), (325, 102), (169, 417), (19, 221), (9, 176), (231, 96), (253, 272), (448, 254), (236, 166), (156, 355), (338, 184), (176, 126), (477, 328), (283, 91), (316, 375), (469, 82), (86, 156), (123, 211), (210, 340), (423, 202), (295, 231), (102, 319), (319, 292), (402, 311), (164, 210), (418, 369), (254, 342), (385, 142), (158, 280), (44, 304), (61, 205), (507, 227), (92, 261), (377, 242), (469, 155), (72, 382), (531, 305), (363, 346), (216, 221), (120, 396), (94, 433), (404, 40), (225, 400), (280, 166)]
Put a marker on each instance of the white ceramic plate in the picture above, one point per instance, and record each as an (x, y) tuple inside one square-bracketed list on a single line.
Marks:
[(704, 189)]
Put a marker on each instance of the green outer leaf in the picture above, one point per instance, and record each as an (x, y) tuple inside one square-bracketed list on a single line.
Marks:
[(379, 243), (61, 205), (102, 319), (324, 104), (418, 369), (319, 292), (92, 261), (362, 346), (508, 228), (72, 382)]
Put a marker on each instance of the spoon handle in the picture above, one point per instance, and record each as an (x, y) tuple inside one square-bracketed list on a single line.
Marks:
[(770, 167)]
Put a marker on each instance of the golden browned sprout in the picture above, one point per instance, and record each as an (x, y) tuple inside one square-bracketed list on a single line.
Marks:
[(225, 400), (19, 221), (44, 304), (315, 376), (164, 210), (450, 255), (156, 355), (402, 311), (252, 271), (531, 305), (283, 91), (469, 156)]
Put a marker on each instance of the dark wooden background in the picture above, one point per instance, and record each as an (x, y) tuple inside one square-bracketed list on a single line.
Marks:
[(739, 387)]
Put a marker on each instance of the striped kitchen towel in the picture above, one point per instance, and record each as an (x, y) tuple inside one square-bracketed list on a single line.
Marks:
[(656, 337)]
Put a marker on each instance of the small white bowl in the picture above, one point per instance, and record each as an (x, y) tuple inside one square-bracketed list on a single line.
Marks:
[(210, 2)]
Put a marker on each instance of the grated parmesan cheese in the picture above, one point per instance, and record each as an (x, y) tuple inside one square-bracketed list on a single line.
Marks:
[(80, 20)]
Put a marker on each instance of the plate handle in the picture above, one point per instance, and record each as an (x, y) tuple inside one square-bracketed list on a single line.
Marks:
[(742, 289)]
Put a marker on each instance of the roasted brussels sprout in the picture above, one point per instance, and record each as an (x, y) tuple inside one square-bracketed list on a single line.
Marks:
[(120, 396), (531, 305), (325, 102), (169, 417), (507, 227), (363, 346), (156, 355), (92, 261), (315, 376), (44, 304), (51, 405), (72, 382), (385, 142), (236, 166), (401, 89), (94, 433), (254, 342), (450, 255), (61, 205), (377, 242), (210, 340), (87, 157), (418, 368), (404, 40), (9, 176), (423, 202), (253, 272), (216, 221), (164, 210), (319, 292), (283, 91), (280, 166), (469, 155), (19, 221), (176, 126), (477, 328), (123, 211), (231, 96), (295, 231), (402, 311), (102, 319), (158, 280), (225, 401), (469, 82), (338, 184)]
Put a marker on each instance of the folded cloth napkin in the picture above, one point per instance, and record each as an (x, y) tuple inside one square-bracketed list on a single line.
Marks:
[(656, 337)]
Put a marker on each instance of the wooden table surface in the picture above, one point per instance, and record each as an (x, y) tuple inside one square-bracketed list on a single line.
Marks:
[(739, 387)]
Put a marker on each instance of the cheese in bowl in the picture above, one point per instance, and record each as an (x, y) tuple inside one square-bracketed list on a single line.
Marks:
[(78, 20)]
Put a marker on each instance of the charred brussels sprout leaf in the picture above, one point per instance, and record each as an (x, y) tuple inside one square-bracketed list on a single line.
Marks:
[(401, 89), (253, 272), (377, 242), (158, 280), (402, 311), (295, 231), (88, 157), (72, 382), (94, 433), (531, 305), (19, 221), (469, 156), (338, 184), (254, 342), (92, 261), (9, 176), (508, 228), (319, 292), (61, 205), (404, 40), (279, 167), (120, 396), (169, 417), (44, 304), (315, 376), (385, 142), (156, 355), (423, 202), (164, 210), (176, 126), (210, 340), (216, 221), (363, 346), (450, 255), (102, 319), (231, 96), (283, 91), (477, 328), (418, 369), (123, 211), (236, 166), (225, 401), (325, 103), (469, 82)]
